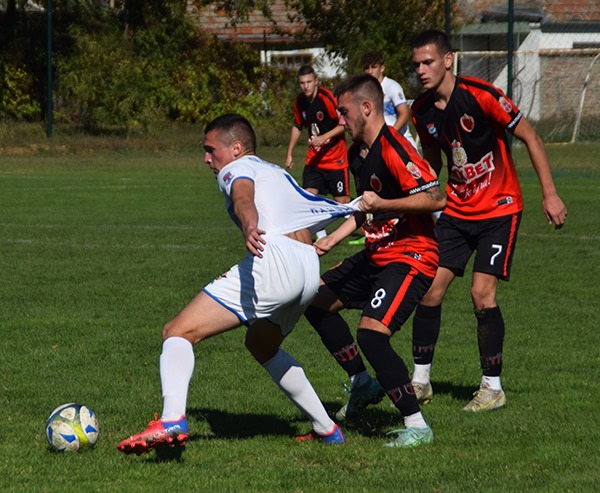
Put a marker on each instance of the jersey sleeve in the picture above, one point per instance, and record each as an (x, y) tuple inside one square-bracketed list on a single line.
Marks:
[(496, 105), (410, 170), (396, 94), (232, 172)]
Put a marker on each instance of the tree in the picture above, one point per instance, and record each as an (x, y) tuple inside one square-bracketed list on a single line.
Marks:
[(347, 28)]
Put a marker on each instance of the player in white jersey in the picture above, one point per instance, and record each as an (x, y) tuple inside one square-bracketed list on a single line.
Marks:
[(395, 106), (267, 291)]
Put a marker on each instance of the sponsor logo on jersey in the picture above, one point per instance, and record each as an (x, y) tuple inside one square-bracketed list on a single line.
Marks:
[(466, 172), (432, 130), (227, 178), (506, 106), (467, 122), (414, 170), (320, 116), (376, 183)]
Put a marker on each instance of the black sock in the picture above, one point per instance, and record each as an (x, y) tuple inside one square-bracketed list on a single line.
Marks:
[(426, 330), (337, 338), (490, 336), (390, 369)]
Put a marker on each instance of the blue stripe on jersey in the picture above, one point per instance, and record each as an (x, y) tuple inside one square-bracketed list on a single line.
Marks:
[(242, 319), (308, 195)]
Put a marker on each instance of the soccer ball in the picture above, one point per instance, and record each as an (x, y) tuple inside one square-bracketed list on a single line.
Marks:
[(71, 427)]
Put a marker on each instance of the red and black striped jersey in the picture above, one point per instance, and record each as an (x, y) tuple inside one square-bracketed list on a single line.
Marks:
[(394, 169), (320, 116), (471, 131)]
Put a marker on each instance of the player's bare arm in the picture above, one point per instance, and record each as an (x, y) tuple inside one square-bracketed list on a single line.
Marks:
[(319, 140), (552, 205), (430, 200), (295, 135), (402, 114), (327, 243), (242, 195)]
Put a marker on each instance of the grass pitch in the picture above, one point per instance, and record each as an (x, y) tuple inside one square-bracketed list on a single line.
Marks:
[(100, 249)]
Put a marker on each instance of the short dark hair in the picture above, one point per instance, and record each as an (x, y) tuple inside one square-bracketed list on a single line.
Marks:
[(434, 37), (371, 58), (307, 70), (232, 127), (362, 86)]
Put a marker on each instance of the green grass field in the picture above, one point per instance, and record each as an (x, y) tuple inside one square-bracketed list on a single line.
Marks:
[(98, 249)]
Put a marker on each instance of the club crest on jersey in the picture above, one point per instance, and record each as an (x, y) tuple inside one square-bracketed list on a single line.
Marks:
[(375, 183), (432, 130), (414, 170), (505, 104), (459, 155), (467, 122), (227, 178), (320, 116)]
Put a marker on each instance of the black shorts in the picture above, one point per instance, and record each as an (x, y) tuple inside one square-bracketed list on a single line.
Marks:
[(334, 182), (493, 239), (387, 293)]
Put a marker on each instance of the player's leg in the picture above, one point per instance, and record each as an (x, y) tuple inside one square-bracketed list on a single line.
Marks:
[(203, 317), (350, 281), (395, 294), (338, 183), (263, 340), (495, 249), (427, 322), (455, 250)]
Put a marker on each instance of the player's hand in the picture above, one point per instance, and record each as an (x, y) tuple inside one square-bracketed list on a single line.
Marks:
[(370, 202), (289, 163), (255, 241), (555, 211), (324, 245)]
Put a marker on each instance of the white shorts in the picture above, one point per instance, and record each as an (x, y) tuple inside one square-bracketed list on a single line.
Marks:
[(279, 286)]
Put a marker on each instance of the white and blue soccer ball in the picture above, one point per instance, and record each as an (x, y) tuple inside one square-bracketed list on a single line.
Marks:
[(72, 427)]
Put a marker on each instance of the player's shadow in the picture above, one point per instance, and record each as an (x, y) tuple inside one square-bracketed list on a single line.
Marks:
[(239, 426), (458, 392)]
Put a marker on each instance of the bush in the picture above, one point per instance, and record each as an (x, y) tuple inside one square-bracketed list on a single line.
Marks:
[(16, 93)]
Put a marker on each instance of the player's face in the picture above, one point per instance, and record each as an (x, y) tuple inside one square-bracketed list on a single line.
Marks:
[(216, 154), (430, 66), (309, 85), (351, 116), (376, 71)]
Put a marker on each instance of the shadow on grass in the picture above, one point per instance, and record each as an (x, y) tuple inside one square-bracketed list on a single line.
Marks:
[(458, 392), (225, 425)]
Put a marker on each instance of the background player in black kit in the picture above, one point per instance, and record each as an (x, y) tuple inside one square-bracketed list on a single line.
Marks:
[(467, 119)]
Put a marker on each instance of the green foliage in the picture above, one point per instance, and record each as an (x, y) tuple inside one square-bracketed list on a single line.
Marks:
[(16, 93), (348, 28)]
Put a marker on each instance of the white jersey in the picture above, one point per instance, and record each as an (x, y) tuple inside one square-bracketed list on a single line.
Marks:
[(283, 206), (393, 96)]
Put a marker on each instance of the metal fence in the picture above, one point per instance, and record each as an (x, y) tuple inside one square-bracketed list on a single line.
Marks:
[(555, 83)]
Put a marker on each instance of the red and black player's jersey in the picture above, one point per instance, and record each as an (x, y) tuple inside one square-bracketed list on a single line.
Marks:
[(322, 113), (471, 130), (394, 169)]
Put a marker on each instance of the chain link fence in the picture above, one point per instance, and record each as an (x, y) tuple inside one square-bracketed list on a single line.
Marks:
[(556, 78)]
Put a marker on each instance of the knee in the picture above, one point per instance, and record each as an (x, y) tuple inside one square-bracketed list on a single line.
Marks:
[(482, 298), (262, 350), (173, 329)]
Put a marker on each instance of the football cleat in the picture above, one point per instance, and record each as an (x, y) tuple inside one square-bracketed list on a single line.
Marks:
[(410, 437), (360, 398), (423, 392), (486, 399), (336, 437), (159, 432)]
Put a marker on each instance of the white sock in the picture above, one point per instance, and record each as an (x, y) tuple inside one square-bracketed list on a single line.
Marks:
[(289, 376), (415, 421), (491, 382), (321, 234), (176, 368), (360, 379), (422, 373)]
